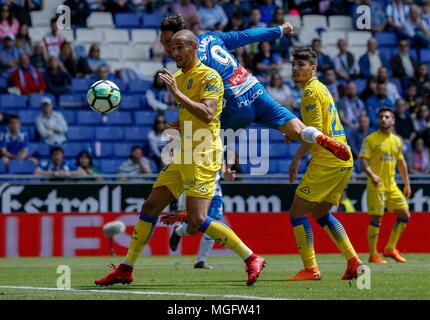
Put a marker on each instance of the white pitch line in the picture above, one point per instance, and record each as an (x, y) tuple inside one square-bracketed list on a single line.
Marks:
[(146, 293)]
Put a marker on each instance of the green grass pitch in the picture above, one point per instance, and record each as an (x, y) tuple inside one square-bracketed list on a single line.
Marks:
[(174, 278)]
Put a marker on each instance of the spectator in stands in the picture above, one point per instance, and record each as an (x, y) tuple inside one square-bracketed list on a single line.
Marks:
[(418, 160), (422, 119), (94, 61), (255, 19), (281, 45), (53, 40), (422, 79), (357, 135), (280, 91), (344, 63), (79, 12), (374, 103), (330, 80), (157, 95), (403, 64), (323, 61), (28, 78), (392, 91), (379, 18), (411, 97), (266, 62), (372, 60), (188, 10), (9, 53), (57, 167), (22, 9), (103, 73), (404, 123), (267, 9), (58, 80), (243, 57), (233, 6), (397, 13), (84, 165), (50, 124), (8, 23), (39, 58), (212, 16), (136, 164), (235, 22), (14, 142), (278, 17), (351, 107), (118, 6), (23, 41), (425, 14), (416, 29), (67, 58), (370, 89), (156, 142)]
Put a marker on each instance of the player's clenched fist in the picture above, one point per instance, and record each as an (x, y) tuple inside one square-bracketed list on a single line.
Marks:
[(287, 28)]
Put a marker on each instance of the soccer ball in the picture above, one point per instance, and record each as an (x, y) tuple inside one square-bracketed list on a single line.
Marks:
[(104, 96)]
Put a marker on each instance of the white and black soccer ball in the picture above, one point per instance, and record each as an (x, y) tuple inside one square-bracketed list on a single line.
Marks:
[(104, 96)]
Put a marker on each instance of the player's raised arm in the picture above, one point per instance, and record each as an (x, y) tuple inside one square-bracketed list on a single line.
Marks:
[(237, 39)]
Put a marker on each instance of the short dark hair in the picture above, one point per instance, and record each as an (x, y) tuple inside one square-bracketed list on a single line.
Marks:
[(174, 23), (54, 20), (13, 117), (55, 149), (84, 153), (306, 54), (136, 147), (385, 109)]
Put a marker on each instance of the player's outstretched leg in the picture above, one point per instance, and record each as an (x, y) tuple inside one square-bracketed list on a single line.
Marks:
[(372, 239), (397, 231)]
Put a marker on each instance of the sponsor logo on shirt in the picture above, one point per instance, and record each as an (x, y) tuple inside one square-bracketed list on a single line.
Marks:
[(239, 76)]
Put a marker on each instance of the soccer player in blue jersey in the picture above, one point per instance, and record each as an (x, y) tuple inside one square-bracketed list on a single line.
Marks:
[(246, 98)]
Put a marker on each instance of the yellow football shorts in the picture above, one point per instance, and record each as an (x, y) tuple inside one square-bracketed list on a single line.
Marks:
[(196, 181), (378, 200), (323, 184)]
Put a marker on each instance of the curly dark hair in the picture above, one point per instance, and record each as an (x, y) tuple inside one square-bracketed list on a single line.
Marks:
[(306, 54), (174, 23)]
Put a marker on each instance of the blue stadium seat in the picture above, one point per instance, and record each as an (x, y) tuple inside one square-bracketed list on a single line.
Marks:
[(284, 166), (171, 116), (35, 100), (89, 117), (71, 100), (109, 133), (69, 116), (110, 166), (276, 136), (153, 166), (4, 83), (273, 166), (278, 150), (130, 102), (361, 85), (151, 20), (106, 150), (13, 101), (81, 84), (121, 85), (96, 163), (72, 149), (139, 86), (137, 133), (387, 52), (28, 116), (127, 20), (21, 167), (119, 118), (145, 118), (425, 55), (80, 133), (292, 150), (31, 131), (41, 150), (2, 168), (122, 150), (386, 39)]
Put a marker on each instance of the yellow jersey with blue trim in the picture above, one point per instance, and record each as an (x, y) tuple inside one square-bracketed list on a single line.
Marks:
[(382, 151), (318, 110), (201, 138)]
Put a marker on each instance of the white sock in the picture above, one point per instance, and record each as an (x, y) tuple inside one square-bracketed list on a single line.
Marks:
[(206, 244), (310, 134), (182, 230)]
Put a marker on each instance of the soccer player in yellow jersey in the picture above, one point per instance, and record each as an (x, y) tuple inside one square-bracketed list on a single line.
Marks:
[(198, 91), (379, 154), (326, 176)]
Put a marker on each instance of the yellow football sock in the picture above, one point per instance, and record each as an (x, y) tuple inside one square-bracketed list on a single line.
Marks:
[(142, 233), (396, 233), (225, 236), (338, 235), (305, 241), (372, 237)]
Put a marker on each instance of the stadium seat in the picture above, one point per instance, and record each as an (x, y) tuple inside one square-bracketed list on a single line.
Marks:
[(40, 150), (130, 102), (151, 20), (89, 117), (292, 150), (69, 116), (116, 36), (361, 85), (139, 86), (110, 166), (109, 133), (307, 35), (414, 54), (4, 83), (21, 167), (336, 22), (278, 150), (171, 116), (358, 51), (12, 101), (284, 166), (40, 18), (276, 136), (137, 133), (386, 39), (136, 52), (106, 150), (81, 84), (110, 52), (314, 20), (2, 168), (149, 68), (35, 100), (100, 20), (71, 100), (119, 118), (145, 118), (153, 166), (127, 20), (425, 55), (331, 38), (28, 116), (72, 149), (331, 50), (143, 36), (171, 66), (37, 33), (80, 133), (121, 85), (358, 38), (387, 52), (122, 150), (89, 35), (69, 34), (273, 166), (294, 20)]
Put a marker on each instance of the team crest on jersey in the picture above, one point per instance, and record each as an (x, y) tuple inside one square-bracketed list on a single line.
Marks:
[(190, 84), (305, 190), (308, 92), (202, 188)]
